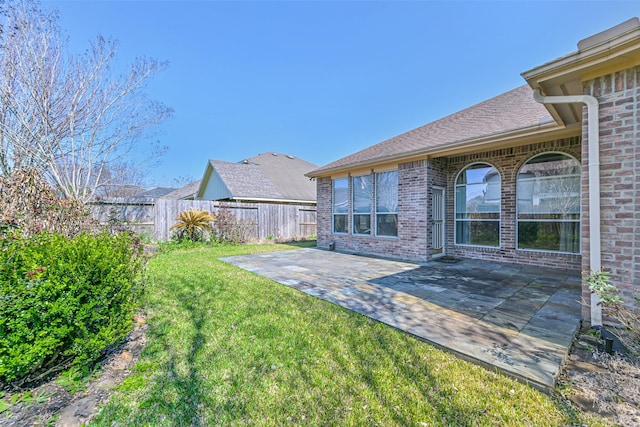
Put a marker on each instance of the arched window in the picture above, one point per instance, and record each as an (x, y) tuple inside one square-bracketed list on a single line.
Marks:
[(548, 210), (478, 190)]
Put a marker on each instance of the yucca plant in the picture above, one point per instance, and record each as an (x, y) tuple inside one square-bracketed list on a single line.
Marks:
[(193, 224)]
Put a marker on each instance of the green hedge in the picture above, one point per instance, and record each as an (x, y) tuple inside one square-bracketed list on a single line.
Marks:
[(64, 300)]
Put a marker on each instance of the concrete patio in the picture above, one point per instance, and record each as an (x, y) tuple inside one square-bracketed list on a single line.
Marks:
[(520, 320)]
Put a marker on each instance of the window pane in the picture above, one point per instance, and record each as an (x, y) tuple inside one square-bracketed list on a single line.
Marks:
[(548, 203), (550, 236), (477, 174), (341, 196), (483, 216), (479, 197), (477, 203), (340, 223), (552, 164), (546, 217), (387, 192), (481, 233), (362, 224), (548, 194), (387, 225), (361, 194)]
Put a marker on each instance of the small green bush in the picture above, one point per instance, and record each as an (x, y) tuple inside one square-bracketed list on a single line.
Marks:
[(64, 300), (626, 318)]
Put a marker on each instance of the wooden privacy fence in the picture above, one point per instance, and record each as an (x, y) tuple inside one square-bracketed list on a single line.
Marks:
[(136, 214), (261, 221)]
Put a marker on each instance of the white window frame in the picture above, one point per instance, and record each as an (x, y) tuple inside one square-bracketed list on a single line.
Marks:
[(334, 214), (355, 214), (455, 210), (377, 212), (578, 221)]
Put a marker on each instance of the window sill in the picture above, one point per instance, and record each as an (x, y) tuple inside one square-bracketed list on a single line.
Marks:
[(462, 245), (546, 251)]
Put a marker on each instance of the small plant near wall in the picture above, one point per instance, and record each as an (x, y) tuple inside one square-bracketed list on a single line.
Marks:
[(615, 308), (228, 228), (193, 224)]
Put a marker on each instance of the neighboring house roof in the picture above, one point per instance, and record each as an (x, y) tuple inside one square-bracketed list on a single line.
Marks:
[(118, 191), (266, 177), (131, 194), (156, 192), (187, 192), (512, 111)]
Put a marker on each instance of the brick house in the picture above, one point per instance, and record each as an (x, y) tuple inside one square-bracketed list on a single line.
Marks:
[(512, 179)]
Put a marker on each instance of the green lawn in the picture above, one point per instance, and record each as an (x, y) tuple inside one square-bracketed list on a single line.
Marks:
[(227, 347)]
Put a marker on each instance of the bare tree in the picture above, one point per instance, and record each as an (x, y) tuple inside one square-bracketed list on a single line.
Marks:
[(70, 116), (124, 180)]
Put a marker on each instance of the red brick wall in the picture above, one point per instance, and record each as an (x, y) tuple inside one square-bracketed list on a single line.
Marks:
[(618, 97), (323, 212), (508, 161), (416, 179), (412, 219)]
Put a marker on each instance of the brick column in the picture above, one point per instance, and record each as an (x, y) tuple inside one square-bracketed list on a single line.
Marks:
[(618, 95), (324, 211)]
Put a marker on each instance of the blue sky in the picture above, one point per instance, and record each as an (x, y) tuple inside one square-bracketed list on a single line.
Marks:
[(322, 79)]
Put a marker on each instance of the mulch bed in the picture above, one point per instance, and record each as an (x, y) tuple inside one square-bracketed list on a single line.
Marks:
[(50, 402)]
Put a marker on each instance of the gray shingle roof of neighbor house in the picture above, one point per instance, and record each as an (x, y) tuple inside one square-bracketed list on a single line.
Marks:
[(513, 111), (268, 176), (157, 192), (186, 192)]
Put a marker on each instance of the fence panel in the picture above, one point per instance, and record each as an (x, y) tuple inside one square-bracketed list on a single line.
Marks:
[(259, 221), (166, 212), (247, 216), (262, 221), (308, 222), (137, 215)]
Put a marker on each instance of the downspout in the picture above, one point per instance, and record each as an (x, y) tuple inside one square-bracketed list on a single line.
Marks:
[(593, 133)]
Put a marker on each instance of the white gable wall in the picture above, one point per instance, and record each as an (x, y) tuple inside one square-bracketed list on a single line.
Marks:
[(214, 188)]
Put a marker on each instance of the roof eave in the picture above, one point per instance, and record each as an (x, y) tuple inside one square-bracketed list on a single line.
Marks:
[(203, 182), (612, 50), (620, 49), (263, 199), (520, 136)]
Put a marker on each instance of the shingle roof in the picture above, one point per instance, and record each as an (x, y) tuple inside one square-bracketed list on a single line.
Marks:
[(157, 192), (267, 176), (504, 113), (188, 190)]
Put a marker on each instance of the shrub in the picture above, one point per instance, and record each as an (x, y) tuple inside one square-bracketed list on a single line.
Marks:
[(29, 204), (174, 245), (613, 306), (193, 224), (63, 300), (227, 228)]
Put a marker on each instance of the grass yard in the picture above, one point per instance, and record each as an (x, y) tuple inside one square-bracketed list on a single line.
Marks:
[(227, 347)]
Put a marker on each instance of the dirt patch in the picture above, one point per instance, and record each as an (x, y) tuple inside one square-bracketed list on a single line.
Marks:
[(601, 383), (592, 379), (51, 403)]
